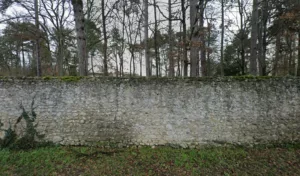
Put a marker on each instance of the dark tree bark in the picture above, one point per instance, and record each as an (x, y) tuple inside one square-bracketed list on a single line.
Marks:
[(194, 45), (121, 53), (254, 35), (170, 32), (194, 54), (242, 36), (263, 39), (81, 37), (184, 42), (202, 40), (37, 24), (277, 54), (222, 38), (156, 47), (146, 25), (105, 62), (23, 59)]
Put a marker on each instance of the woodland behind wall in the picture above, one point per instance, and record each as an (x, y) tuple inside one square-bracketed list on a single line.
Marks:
[(174, 38), (140, 111)]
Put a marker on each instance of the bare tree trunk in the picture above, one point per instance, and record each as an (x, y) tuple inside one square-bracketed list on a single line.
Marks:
[(18, 61), (170, 53), (105, 38), (179, 53), (262, 39), (202, 38), (184, 42), (133, 63), (32, 58), (294, 65), (140, 52), (81, 38), (123, 42), (141, 63), (285, 68), (130, 65), (89, 7), (254, 31), (11, 64), (262, 47), (60, 56), (289, 56), (222, 38), (121, 65), (37, 24), (117, 65), (194, 53), (277, 55), (243, 36), (208, 46), (146, 25), (290, 70), (23, 59), (156, 47), (92, 63), (178, 66)]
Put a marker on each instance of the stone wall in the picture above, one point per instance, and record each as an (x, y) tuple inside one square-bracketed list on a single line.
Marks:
[(139, 111)]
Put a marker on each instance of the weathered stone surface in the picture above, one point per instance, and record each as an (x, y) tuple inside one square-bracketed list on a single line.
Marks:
[(57, 139), (157, 111)]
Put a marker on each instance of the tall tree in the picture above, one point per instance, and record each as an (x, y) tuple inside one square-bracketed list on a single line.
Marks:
[(203, 59), (194, 44), (5, 4), (254, 35), (37, 24), (81, 38), (222, 36), (105, 38), (184, 39), (170, 33), (121, 53), (132, 31), (146, 36), (56, 13), (243, 35), (262, 37), (156, 47)]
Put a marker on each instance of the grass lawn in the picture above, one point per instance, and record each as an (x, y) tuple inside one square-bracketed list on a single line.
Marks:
[(284, 160)]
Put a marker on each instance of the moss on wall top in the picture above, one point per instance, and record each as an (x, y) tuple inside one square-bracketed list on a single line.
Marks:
[(70, 79)]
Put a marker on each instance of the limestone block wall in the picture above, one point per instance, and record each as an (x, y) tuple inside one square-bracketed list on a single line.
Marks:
[(140, 111)]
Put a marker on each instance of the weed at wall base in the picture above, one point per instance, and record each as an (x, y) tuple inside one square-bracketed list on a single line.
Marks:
[(30, 140)]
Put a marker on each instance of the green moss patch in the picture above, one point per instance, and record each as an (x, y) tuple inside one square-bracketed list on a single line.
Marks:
[(133, 80), (70, 78)]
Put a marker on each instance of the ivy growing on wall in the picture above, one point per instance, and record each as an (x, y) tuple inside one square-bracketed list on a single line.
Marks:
[(31, 139)]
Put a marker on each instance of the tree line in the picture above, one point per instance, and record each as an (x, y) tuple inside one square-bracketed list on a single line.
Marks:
[(174, 38)]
